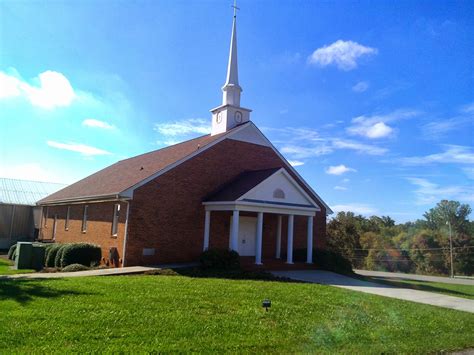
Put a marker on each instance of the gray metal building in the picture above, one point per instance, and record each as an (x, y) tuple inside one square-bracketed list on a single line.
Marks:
[(19, 215)]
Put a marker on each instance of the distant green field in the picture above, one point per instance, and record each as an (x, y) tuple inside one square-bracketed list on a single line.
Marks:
[(184, 314), (5, 268)]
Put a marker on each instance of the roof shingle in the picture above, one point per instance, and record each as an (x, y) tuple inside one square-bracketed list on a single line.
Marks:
[(126, 173)]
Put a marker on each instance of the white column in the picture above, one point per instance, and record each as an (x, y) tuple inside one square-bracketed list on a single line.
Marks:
[(278, 237), (207, 225), (309, 252), (258, 244), (289, 249), (234, 235)]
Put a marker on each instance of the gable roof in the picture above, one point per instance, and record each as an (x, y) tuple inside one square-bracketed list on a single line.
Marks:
[(25, 192), (240, 185), (118, 177)]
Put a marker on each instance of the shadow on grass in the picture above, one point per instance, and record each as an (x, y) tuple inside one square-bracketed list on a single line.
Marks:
[(24, 291), (236, 274), (425, 286)]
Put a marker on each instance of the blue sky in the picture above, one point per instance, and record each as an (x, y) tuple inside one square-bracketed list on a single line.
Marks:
[(372, 101)]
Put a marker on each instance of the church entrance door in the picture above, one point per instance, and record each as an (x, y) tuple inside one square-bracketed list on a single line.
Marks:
[(247, 236)]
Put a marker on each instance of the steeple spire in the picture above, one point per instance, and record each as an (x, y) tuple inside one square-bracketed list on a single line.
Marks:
[(231, 87), (230, 114)]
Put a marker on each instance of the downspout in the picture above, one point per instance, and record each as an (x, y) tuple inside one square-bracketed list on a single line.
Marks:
[(11, 222), (125, 234)]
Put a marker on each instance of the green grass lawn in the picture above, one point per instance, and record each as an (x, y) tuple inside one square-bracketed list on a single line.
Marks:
[(464, 291), (5, 268), (183, 314)]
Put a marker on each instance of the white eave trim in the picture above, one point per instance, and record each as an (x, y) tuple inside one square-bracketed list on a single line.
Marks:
[(129, 192), (328, 209), (290, 179), (259, 207)]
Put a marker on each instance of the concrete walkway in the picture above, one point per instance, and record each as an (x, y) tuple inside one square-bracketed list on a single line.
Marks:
[(399, 275), (99, 272), (333, 279)]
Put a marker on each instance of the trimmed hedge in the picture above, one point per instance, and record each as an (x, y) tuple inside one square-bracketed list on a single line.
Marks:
[(50, 254), (326, 260), (220, 259), (80, 253), (75, 267), (12, 252), (59, 256)]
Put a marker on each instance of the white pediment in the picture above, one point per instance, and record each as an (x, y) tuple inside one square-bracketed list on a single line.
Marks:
[(279, 189)]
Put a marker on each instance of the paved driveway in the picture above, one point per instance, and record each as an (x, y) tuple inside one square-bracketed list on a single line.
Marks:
[(399, 275), (337, 280)]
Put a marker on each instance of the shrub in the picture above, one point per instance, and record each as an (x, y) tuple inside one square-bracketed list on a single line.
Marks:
[(59, 255), (221, 259), (75, 267), (50, 255), (326, 260), (80, 253), (12, 252)]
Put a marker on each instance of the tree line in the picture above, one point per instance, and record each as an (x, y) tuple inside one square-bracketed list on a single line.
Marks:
[(423, 246)]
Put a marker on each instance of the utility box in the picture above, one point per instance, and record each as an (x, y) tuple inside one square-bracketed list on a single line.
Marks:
[(37, 260), (24, 255), (29, 256)]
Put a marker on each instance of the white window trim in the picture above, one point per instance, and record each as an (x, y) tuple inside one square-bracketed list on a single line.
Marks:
[(66, 222), (55, 224), (115, 219), (84, 220), (46, 217)]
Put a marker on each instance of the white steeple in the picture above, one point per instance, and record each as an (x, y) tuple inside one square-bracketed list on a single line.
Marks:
[(230, 114), (231, 89)]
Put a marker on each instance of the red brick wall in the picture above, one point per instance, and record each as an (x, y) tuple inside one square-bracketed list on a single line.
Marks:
[(167, 213), (99, 225)]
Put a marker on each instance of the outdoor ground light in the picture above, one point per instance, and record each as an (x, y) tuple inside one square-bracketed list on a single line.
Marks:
[(266, 304)]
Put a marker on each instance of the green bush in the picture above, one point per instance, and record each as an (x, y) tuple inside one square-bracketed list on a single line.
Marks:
[(50, 255), (326, 260), (75, 267), (80, 253), (220, 259), (59, 255), (12, 252)]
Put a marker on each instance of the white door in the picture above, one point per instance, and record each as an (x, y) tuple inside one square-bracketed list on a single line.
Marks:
[(247, 235)]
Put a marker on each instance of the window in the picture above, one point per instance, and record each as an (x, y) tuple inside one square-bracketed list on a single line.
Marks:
[(115, 219), (66, 222), (278, 193), (45, 216), (55, 222), (84, 220)]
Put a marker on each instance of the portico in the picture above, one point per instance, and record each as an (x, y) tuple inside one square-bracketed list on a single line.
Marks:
[(251, 198)]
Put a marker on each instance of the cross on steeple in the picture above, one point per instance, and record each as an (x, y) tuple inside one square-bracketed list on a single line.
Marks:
[(235, 8)]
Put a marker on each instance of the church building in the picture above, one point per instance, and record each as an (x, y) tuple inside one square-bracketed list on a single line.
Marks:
[(229, 189)]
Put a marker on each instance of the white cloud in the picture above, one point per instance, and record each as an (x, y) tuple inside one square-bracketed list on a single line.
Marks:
[(299, 152), (338, 170), (53, 89), (378, 130), (184, 127), (29, 171), (361, 86), (359, 147), (340, 188), (375, 126), (80, 148), (453, 154), (91, 122), (358, 208), (295, 162), (428, 193), (343, 54)]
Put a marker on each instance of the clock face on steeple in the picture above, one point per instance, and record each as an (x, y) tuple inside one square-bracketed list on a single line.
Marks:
[(238, 116)]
